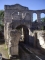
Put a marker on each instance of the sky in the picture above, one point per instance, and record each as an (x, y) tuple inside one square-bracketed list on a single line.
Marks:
[(31, 4)]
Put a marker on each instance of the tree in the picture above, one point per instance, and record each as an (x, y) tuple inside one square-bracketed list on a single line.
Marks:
[(43, 19), (1, 19), (1, 13)]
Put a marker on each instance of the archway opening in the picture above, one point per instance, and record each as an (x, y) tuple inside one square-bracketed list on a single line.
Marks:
[(24, 33), (42, 16), (18, 39), (34, 17), (24, 36)]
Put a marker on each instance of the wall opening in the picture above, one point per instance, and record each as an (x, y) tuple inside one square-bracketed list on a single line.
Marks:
[(34, 17), (25, 33), (42, 16)]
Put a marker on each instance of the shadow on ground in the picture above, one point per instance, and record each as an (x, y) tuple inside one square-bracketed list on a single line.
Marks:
[(5, 59)]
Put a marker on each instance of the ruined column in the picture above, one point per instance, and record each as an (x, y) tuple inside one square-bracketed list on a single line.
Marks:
[(31, 16), (38, 17), (14, 37), (22, 34), (4, 32), (35, 40), (7, 30)]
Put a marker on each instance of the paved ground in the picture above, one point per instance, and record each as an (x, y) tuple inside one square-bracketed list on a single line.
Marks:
[(4, 51)]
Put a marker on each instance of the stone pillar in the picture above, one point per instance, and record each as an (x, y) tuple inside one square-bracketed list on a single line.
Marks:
[(4, 30), (7, 33), (31, 16), (29, 31), (35, 40), (5, 24), (15, 38), (22, 34), (38, 17), (7, 30), (9, 48)]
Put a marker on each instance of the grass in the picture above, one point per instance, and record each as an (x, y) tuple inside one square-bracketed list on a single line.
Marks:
[(4, 51)]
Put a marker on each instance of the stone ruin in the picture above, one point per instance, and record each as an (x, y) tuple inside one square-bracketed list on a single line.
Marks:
[(16, 17)]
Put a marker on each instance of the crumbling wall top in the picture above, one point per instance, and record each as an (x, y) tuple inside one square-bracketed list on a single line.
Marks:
[(15, 6)]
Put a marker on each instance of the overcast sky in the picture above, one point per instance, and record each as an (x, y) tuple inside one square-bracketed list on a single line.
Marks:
[(31, 4)]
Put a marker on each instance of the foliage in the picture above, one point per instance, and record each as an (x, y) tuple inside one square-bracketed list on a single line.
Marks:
[(1, 19), (1, 16), (1, 13), (43, 19), (42, 28), (1, 27)]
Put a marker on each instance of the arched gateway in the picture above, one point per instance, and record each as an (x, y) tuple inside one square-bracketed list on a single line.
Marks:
[(18, 20), (18, 34), (18, 31)]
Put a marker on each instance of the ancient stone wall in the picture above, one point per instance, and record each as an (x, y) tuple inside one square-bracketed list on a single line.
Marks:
[(39, 39), (39, 35), (13, 42), (15, 15), (16, 12)]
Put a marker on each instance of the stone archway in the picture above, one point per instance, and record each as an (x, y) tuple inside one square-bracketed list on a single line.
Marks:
[(25, 33), (15, 35)]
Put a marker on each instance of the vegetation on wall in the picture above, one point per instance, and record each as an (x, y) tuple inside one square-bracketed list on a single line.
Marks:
[(43, 20)]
